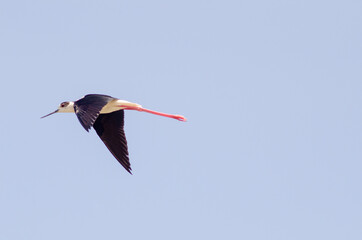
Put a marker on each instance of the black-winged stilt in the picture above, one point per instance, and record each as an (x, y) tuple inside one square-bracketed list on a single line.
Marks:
[(105, 114)]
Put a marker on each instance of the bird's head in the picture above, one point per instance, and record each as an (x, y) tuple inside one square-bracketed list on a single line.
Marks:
[(63, 107), (66, 107)]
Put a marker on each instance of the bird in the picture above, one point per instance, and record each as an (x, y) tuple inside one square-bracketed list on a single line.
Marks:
[(106, 115)]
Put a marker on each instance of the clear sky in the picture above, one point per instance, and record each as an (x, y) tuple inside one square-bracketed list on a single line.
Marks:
[(272, 93)]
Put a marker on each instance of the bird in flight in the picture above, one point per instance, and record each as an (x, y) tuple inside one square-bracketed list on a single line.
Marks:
[(106, 115)]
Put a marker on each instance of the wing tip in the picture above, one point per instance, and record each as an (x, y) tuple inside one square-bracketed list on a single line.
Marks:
[(128, 167)]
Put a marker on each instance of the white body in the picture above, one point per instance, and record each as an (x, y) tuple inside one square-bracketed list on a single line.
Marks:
[(115, 105)]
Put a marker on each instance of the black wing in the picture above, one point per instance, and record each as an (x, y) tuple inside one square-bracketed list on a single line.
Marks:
[(88, 108), (109, 128)]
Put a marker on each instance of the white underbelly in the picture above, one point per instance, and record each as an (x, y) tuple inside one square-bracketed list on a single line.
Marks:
[(116, 105)]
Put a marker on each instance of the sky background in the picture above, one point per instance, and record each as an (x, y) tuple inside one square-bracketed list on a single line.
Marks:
[(271, 90)]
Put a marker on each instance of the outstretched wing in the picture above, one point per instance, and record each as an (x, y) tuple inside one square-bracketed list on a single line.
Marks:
[(109, 128), (87, 108)]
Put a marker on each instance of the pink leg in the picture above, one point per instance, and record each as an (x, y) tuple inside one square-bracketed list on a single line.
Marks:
[(178, 117)]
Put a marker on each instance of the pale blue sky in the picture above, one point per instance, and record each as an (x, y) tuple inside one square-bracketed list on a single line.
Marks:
[(271, 89)]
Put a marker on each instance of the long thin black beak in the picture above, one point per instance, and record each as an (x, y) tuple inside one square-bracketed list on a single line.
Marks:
[(50, 114)]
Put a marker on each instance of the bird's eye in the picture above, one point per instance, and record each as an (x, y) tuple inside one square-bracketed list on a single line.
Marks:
[(63, 104)]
